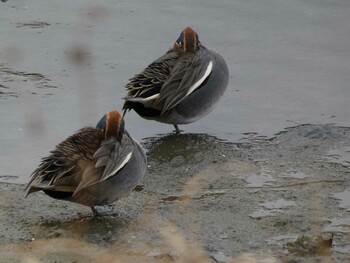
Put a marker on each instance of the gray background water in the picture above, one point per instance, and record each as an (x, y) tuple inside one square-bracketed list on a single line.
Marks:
[(288, 60)]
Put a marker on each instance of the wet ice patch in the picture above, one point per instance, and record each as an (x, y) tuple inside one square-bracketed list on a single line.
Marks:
[(261, 213), (259, 180), (344, 199), (341, 228), (340, 155), (343, 250), (297, 175), (272, 208), (278, 204), (338, 225)]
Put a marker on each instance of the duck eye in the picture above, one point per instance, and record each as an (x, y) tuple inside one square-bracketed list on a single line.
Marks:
[(180, 40), (179, 43)]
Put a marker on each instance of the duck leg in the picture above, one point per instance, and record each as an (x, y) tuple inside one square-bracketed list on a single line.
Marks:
[(94, 211), (177, 130)]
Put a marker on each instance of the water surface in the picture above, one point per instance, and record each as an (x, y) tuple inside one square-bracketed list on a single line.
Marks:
[(288, 63)]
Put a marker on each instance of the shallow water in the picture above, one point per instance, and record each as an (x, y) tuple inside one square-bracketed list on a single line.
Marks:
[(288, 65), (272, 208), (344, 199)]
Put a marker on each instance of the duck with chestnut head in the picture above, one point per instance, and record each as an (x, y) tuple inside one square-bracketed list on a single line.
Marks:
[(93, 167), (181, 86)]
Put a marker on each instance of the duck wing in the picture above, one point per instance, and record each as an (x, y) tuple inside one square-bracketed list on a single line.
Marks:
[(62, 169), (189, 73), (114, 155), (145, 86), (110, 158)]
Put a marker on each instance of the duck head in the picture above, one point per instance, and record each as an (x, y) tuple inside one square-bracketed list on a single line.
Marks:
[(112, 124), (187, 41)]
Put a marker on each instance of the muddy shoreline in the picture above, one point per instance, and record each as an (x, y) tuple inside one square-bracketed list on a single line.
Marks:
[(205, 199)]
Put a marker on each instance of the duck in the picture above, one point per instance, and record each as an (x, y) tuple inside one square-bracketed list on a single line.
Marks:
[(181, 86), (93, 167)]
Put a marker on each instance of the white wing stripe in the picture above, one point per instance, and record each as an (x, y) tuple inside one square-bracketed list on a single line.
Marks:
[(201, 80), (124, 162), (139, 99)]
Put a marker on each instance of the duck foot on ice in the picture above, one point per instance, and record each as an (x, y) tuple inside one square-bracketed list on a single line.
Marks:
[(177, 130)]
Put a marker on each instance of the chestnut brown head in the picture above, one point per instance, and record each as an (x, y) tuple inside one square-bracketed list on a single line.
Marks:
[(112, 124), (187, 41)]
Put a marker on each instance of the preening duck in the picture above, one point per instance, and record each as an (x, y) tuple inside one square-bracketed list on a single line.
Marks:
[(181, 86), (93, 167)]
